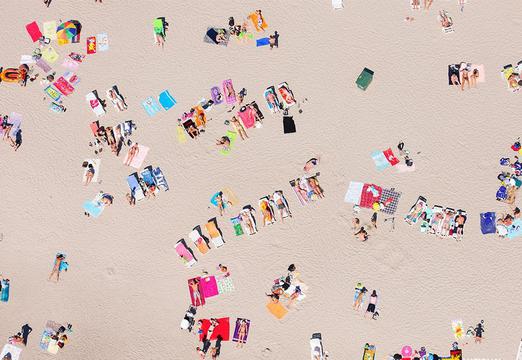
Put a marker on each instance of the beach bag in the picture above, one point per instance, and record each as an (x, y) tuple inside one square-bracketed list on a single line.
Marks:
[(487, 223)]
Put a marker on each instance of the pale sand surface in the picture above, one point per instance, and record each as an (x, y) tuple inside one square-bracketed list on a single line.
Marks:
[(126, 292)]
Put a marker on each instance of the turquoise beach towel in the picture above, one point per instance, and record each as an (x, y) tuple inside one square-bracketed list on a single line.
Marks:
[(151, 106), (166, 100), (380, 160)]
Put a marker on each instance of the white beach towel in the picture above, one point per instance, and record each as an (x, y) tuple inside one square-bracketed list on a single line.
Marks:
[(353, 194), (337, 4)]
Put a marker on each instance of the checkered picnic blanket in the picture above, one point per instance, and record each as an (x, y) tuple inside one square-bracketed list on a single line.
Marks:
[(225, 285), (395, 196)]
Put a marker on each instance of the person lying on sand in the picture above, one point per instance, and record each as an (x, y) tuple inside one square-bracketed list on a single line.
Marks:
[(224, 142)]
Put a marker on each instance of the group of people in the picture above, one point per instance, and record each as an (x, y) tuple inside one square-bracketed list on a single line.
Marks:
[(359, 297), (21, 337), (288, 286), (362, 231), (207, 344), (462, 74), (10, 132)]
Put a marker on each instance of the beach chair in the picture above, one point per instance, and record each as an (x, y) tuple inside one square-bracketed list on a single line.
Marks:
[(185, 253), (316, 347), (159, 178), (214, 233), (364, 79), (135, 187), (196, 237)]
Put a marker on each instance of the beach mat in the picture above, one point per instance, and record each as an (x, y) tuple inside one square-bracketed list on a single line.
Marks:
[(212, 33), (235, 336), (93, 208), (15, 351), (222, 330), (225, 285), (49, 29), (34, 31), (488, 223), (209, 286), (277, 309), (262, 42), (151, 106), (138, 160), (102, 42), (50, 55), (166, 100), (288, 125)]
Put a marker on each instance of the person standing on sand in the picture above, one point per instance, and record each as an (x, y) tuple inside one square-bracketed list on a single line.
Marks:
[(47, 2), (26, 330)]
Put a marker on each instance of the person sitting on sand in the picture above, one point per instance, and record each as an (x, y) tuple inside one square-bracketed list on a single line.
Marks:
[(311, 164), (224, 142), (238, 126), (224, 271), (133, 151), (362, 234), (273, 40)]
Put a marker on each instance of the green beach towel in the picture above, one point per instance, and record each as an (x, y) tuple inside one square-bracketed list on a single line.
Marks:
[(232, 136)]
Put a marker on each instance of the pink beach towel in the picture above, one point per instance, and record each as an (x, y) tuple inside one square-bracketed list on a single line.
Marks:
[(63, 86), (182, 251), (209, 286), (248, 117), (34, 31), (228, 90), (139, 158)]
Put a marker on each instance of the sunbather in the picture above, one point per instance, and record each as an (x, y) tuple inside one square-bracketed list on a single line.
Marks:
[(295, 295), (245, 217), (444, 19), (280, 202), (311, 164), (56, 268), (194, 286), (260, 20), (224, 142), (460, 220), (315, 187), (133, 151), (241, 333), (274, 40), (414, 213), (415, 4), (117, 100), (238, 126), (464, 77), (427, 4), (372, 303), (474, 77), (271, 99), (360, 296), (287, 94), (221, 203), (90, 174)]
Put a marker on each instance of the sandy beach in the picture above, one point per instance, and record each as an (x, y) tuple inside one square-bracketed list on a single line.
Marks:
[(125, 291)]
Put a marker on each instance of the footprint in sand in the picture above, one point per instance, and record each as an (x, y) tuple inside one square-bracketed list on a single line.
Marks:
[(110, 271)]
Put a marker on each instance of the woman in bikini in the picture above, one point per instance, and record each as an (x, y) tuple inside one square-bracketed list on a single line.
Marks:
[(314, 184), (271, 99), (242, 333), (359, 299), (133, 151), (245, 217), (194, 287), (56, 267), (224, 142), (474, 77), (238, 126), (89, 175)]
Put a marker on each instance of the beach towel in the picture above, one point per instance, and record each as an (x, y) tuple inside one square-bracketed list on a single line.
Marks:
[(49, 29), (217, 36), (232, 137), (63, 86), (402, 168), (270, 94), (95, 104), (262, 42), (27, 60), (159, 178), (228, 90), (214, 234), (15, 351), (277, 309), (515, 230), (198, 240), (390, 200), (236, 223), (364, 79), (166, 100), (34, 31), (225, 285), (70, 64), (151, 106), (456, 354), (102, 42), (193, 299), (288, 124), (209, 286), (235, 336), (216, 95), (286, 94), (457, 326), (50, 55), (380, 160), (369, 352), (135, 187), (370, 194), (91, 45), (96, 165), (303, 199), (222, 329), (488, 223), (42, 64), (258, 22), (225, 198), (184, 252), (248, 117), (337, 4), (139, 158), (94, 207), (230, 196), (53, 93), (4, 295)]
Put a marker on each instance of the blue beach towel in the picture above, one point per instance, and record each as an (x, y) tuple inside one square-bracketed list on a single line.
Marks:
[(166, 100), (151, 106), (380, 160), (262, 42), (5, 292), (487, 223), (94, 208), (515, 230)]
